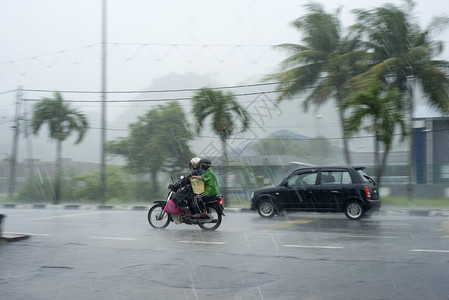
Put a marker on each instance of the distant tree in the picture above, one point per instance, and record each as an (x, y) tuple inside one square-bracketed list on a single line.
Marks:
[(123, 186), (62, 121), (382, 114), (158, 141), (322, 65), (224, 111)]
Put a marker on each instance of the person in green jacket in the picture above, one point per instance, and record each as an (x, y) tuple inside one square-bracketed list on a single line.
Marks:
[(209, 178)]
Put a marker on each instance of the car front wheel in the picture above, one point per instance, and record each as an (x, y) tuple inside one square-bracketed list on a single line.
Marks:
[(265, 208), (354, 210)]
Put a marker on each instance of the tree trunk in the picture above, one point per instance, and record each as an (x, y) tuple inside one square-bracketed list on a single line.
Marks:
[(376, 153), (345, 138), (224, 189), (154, 181), (58, 174), (381, 167)]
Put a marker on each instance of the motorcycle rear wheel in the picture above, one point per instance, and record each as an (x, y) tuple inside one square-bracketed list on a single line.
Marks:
[(157, 217), (217, 216)]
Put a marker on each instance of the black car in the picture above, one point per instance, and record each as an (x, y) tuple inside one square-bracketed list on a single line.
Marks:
[(320, 189)]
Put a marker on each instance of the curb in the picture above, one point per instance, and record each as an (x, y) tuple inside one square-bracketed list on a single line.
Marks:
[(75, 206), (10, 237), (392, 211), (14, 237)]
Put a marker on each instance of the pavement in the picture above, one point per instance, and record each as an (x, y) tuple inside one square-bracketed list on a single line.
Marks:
[(421, 212)]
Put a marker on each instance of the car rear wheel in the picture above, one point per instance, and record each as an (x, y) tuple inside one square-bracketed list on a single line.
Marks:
[(265, 208), (354, 210)]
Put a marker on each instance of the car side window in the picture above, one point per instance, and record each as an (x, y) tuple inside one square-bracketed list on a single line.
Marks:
[(335, 177), (346, 178), (303, 179)]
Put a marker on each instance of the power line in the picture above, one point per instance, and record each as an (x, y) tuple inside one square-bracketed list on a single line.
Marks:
[(6, 92), (359, 137), (153, 91), (152, 100), (136, 44), (48, 54)]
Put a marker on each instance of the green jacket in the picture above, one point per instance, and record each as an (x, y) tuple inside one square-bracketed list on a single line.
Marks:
[(210, 183)]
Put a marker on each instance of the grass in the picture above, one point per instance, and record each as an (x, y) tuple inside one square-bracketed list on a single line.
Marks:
[(387, 202), (403, 202)]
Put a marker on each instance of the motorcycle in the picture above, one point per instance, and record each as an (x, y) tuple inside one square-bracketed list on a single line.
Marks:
[(163, 212)]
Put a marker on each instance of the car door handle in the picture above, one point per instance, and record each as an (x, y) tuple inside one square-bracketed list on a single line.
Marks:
[(335, 192)]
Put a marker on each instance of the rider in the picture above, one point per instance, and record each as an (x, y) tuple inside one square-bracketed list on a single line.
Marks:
[(187, 193), (209, 178)]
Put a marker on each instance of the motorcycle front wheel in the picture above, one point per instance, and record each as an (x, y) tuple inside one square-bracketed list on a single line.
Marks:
[(216, 221), (157, 217)]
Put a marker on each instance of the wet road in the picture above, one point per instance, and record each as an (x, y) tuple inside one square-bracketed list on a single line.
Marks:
[(93, 254)]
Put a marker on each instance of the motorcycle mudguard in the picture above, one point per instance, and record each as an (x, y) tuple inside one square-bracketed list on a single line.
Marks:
[(159, 201), (218, 207)]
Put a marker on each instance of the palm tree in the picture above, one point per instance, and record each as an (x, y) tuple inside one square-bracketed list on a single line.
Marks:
[(381, 112), (62, 121), (223, 110), (322, 65), (402, 53), (402, 56)]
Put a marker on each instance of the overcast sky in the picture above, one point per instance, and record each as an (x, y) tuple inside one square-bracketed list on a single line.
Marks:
[(56, 45)]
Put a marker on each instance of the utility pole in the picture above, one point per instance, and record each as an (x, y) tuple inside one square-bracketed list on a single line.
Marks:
[(29, 144), (103, 102), (13, 162), (411, 169)]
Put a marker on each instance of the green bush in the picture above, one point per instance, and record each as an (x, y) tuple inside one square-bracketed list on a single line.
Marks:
[(35, 190), (122, 188), (403, 202)]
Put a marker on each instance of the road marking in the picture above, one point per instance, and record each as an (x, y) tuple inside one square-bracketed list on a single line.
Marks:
[(429, 250), (317, 247), (387, 224), (291, 222), (111, 238), (200, 242), (72, 215), (370, 236), (444, 228)]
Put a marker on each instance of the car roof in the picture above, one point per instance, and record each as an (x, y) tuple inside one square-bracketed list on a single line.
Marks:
[(333, 167)]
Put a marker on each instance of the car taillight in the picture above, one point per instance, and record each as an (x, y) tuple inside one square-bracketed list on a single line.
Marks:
[(367, 192)]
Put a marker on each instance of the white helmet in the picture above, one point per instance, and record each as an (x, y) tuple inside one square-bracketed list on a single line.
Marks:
[(194, 162)]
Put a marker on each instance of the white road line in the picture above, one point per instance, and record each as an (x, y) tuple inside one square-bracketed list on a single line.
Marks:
[(199, 242), (111, 238), (429, 250), (73, 215), (388, 224), (317, 247), (370, 236)]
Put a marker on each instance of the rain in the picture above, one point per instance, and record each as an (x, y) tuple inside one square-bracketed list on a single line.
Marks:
[(139, 85)]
